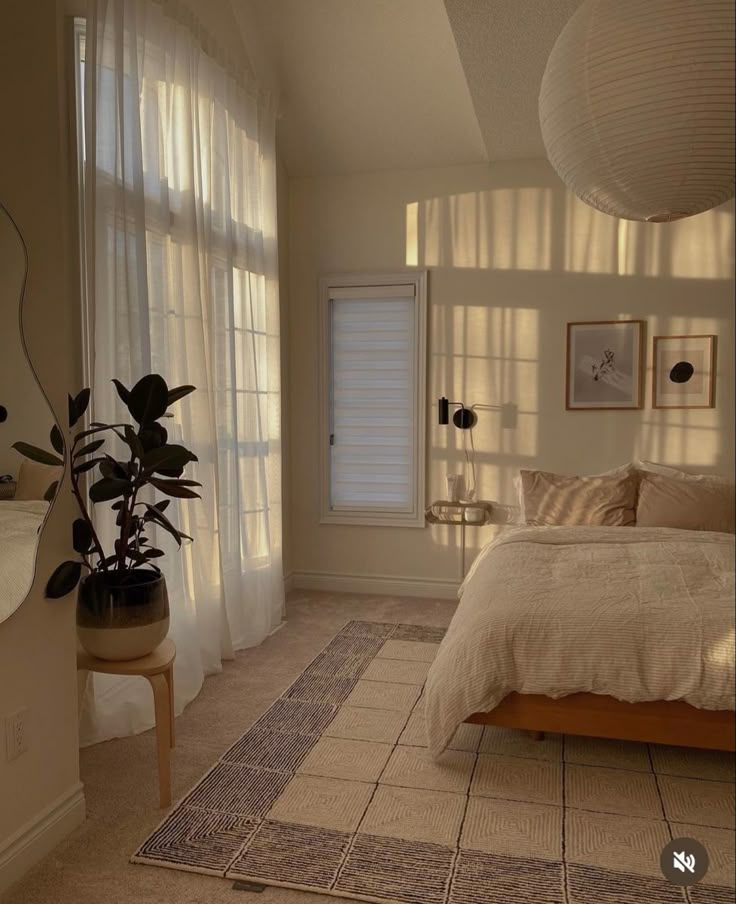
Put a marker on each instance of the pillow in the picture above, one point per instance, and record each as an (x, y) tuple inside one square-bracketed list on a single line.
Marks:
[(605, 500), (620, 471), (687, 504), (665, 470), (34, 479)]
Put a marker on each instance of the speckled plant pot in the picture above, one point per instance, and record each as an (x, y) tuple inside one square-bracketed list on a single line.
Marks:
[(122, 615)]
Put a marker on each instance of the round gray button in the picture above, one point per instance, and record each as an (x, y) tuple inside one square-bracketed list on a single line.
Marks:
[(684, 861)]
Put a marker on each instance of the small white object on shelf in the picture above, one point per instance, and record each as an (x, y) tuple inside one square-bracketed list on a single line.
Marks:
[(449, 511)]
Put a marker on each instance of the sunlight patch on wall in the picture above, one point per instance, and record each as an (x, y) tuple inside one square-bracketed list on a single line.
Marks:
[(545, 229)]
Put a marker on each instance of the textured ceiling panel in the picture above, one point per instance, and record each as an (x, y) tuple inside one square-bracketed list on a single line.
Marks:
[(504, 46), (367, 84)]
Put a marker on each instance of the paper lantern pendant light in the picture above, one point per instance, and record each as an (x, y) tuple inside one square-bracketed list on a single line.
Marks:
[(637, 106)]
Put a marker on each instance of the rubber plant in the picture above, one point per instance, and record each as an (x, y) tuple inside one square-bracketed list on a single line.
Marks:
[(150, 462)]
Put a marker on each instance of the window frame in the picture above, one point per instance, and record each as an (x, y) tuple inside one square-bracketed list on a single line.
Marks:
[(371, 516)]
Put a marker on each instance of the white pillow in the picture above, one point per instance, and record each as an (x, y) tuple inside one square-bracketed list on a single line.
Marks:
[(675, 473)]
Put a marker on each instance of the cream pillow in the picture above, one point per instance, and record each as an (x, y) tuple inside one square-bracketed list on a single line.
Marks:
[(620, 471), (686, 504), (34, 479), (606, 500)]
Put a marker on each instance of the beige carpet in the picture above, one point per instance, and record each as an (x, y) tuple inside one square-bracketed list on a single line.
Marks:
[(349, 803)]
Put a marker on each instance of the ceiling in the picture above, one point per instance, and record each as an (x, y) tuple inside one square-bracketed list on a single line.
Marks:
[(396, 84)]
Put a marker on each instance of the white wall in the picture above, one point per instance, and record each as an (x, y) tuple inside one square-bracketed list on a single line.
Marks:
[(512, 257), (40, 794)]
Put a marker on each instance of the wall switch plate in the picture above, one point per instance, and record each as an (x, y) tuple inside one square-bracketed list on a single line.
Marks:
[(16, 734)]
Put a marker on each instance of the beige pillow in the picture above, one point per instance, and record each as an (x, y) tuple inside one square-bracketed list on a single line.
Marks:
[(620, 471), (687, 504), (603, 501), (34, 479)]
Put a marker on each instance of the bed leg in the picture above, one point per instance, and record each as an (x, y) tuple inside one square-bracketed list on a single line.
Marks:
[(538, 735)]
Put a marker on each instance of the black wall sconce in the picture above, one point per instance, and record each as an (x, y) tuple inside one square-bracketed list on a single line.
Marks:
[(3, 413), (463, 418)]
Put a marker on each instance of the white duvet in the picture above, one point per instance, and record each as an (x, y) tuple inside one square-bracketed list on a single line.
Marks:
[(637, 613), (19, 524)]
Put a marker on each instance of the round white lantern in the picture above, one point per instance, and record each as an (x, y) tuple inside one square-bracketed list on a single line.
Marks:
[(637, 106)]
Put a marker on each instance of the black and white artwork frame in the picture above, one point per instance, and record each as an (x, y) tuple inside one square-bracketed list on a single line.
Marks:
[(683, 371), (604, 365)]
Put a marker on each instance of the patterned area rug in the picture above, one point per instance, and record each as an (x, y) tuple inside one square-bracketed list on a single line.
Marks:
[(332, 791)]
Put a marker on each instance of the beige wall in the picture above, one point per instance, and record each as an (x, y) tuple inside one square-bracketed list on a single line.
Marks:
[(37, 643), (512, 257)]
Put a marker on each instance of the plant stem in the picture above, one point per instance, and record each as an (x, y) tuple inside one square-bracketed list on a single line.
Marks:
[(83, 508)]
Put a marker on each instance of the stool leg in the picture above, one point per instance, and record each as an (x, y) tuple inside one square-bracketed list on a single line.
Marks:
[(160, 688), (169, 674)]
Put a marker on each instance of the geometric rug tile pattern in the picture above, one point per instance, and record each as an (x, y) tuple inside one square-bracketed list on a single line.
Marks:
[(407, 871), (329, 803), (715, 765), (604, 752), (360, 724), (412, 767), (415, 814), (512, 828), (198, 839), (294, 854), (332, 791), (702, 803), (534, 781), (587, 884), (408, 651), (491, 879), (507, 742), (409, 672), (271, 750), (612, 791), (360, 761)]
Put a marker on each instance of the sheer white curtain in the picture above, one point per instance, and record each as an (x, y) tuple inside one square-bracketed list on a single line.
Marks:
[(180, 224)]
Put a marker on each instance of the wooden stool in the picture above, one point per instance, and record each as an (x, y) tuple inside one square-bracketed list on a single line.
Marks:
[(158, 668)]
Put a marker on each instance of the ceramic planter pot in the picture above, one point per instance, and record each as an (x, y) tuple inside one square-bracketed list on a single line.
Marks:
[(122, 615)]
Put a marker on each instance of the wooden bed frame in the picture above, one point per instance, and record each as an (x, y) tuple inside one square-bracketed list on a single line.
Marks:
[(600, 716)]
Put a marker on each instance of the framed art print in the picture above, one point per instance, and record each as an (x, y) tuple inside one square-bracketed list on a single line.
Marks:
[(683, 372), (604, 365)]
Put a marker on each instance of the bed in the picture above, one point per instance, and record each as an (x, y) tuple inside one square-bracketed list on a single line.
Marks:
[(19, 525), (605, 631)]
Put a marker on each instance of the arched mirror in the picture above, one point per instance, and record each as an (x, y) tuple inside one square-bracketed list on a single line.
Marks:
[(31, 448)]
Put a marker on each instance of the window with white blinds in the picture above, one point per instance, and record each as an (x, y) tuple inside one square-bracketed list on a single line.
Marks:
[(374, 340)]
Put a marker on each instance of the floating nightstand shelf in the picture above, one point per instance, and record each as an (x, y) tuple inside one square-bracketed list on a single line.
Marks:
[(463, 514), (475, 514)]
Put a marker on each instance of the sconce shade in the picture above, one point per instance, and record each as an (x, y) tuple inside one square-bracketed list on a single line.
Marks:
[(637, 106), (443, 405)]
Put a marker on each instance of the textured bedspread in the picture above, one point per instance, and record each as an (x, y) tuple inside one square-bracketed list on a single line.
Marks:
[(19, 524), (636, 613)]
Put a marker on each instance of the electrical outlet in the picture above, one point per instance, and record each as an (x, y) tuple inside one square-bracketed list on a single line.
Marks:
[(16, 737)]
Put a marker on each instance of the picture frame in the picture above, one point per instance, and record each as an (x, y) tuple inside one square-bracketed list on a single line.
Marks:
[(604, 365), (683, 371)]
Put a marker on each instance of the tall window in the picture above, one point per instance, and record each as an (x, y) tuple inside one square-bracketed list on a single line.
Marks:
[(373, 399)]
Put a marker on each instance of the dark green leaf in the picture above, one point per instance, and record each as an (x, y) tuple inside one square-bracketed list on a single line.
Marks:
[(51, 492), (81, 536), (153, 436), (134, 444), (169, 457), (179, 392), (153, 553), (122, 391), (35, 454), (108, 488), (63, 580), (57, 440), (174, 488), (77, 406), (100, 428), (149, 399), (87, 465), (89, 448), (112, 468), (154, 514)]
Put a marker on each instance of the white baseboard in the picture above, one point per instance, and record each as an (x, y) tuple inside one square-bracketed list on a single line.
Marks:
[(40, 835), (382, 585)]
